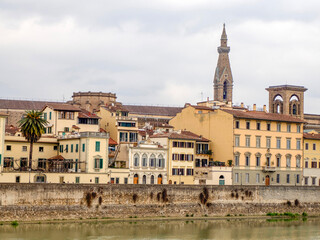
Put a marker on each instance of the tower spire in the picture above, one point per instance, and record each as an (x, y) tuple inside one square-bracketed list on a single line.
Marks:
[(223, 81)]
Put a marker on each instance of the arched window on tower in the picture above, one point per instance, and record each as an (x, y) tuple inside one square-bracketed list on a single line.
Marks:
[(225, 88), (294, 109)]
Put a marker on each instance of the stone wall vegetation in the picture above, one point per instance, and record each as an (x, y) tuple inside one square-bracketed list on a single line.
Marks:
[(30, 202)]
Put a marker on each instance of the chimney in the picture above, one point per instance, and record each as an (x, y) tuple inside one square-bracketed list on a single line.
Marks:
[(265, 108), (254, 107), (207, 99), (242, 105)]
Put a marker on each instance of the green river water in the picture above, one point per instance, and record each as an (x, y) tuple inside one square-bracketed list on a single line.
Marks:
[(182, 229)]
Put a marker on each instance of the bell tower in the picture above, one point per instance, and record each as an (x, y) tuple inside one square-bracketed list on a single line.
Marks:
[(287, 99), (223, 81)]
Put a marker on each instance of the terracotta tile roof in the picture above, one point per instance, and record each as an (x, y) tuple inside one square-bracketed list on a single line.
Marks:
[(23, 104), (186, 135), (87, 114), (144, 132), (112, 142), (311, 136), (202, 107), (11, 129), (153, 110), (116, 107), (75, 127), (62, 107), (263, 116)]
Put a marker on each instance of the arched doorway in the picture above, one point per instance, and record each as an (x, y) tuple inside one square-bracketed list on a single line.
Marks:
[(152, 179), (267, 180), (160, 179), (144, 179), (136, 179), (221, 180)]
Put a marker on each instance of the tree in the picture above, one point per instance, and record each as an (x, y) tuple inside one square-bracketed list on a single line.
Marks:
[(32, 126)]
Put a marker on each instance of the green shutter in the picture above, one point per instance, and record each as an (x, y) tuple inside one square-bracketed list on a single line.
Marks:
[(49, 115), (97, 146), (83, 147), (71, 147), (45, 116), (0, 159), (101, 163), (77, 146)]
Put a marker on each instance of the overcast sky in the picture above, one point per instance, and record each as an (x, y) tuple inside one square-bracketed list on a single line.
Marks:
[(157, 51)]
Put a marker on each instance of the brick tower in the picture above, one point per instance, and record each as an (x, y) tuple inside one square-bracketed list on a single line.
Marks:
[(223, 81)]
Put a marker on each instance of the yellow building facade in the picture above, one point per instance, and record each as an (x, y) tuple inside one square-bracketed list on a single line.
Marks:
[(311, 171)]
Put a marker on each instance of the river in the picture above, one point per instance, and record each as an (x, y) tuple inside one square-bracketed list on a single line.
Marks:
[(174, 229)]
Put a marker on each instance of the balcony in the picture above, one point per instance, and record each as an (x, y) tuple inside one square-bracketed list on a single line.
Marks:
[(268, 169)]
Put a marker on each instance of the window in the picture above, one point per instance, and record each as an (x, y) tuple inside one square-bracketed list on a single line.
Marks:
[(247, 157), (152, 179), (307, 146), (175, 171), (65, 115), (268, 142), (123, 137), (306, 164), (61, 148), (298, 144), (288, 162), (17, 179), (117, 180), (236, 160), (40, 149), (313, 146), (83, 147), (50, 115), (136, 160), (306, 180), (8, 147), (313, 164), (258, 141), (288, 143), (237, 141), (237, 124), (96, 180), (189, 172), (268, 126), (125, 180), (71, 148), (42, 163), (278, 162), (97, 146), (278, 127), (45, 116), (49, 130), (247, 125), (258, 125), (258, 161), (67, 147), (278, 178), (24, 148), (298, 128), (77, 147), (133, 137), (152, 161), (77, 179), (313, 181), (144, 179), (144, 160), (247, 177), (278, 143), (55, 148), (268, 162), (236, 177), (181, 171), (288, 178), (288, 127), (298, 178), (247, 141), (257, 178), (98, 163), (66, 129)]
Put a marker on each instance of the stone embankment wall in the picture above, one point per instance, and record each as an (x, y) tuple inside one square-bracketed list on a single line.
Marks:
[(74, 201)]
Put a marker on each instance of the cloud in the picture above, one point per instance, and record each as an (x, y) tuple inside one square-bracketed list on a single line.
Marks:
[(157, 52)]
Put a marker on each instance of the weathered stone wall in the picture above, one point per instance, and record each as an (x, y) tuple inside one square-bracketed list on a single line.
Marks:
[(71, 201)]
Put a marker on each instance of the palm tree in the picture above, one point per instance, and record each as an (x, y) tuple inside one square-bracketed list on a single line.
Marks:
[(32, 127)]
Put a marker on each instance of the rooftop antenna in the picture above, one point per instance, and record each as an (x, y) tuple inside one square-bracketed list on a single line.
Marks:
[(201, 96)]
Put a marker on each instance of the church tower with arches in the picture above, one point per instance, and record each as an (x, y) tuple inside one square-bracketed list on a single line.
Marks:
[(223, 81), (287, 99)]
